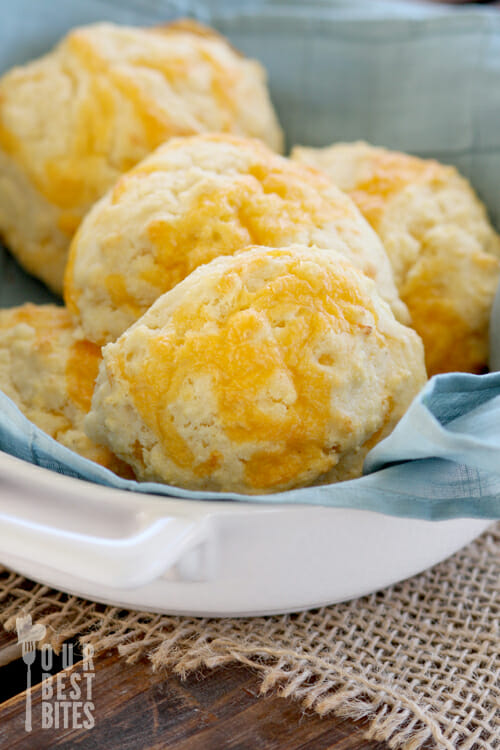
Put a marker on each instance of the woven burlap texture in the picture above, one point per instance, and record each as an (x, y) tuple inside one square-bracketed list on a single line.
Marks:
[(419, 661)]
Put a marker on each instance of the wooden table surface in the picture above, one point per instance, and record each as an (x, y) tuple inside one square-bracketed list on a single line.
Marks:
[(136, 708)]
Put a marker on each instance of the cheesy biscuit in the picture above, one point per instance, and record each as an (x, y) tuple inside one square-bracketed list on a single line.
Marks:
[(192, 200), (260, 372), (444, 251), (74, 120), (49, 372)]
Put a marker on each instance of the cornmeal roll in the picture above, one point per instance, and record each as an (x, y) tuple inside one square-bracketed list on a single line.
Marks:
[(267, 370), (72, 121), (192, 200), (443, 250), (49, 373)]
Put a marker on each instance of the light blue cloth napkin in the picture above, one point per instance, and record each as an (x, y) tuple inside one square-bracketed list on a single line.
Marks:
[(418, 78)]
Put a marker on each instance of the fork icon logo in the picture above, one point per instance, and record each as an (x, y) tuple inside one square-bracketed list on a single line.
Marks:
[(28, 636)]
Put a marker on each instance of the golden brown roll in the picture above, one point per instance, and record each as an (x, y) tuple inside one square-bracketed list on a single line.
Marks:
[(72, 121), (260, 372), (443, 250), (192, 200), (49, 373)]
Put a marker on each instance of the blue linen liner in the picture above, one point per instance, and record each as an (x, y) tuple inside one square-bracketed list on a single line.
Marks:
[(422, 79)]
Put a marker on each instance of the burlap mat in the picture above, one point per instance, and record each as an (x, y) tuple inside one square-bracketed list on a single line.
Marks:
[(419, 661)]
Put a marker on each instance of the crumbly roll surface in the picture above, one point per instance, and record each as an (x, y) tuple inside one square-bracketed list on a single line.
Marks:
[(192, 200), (260, 372), (74, 120), (442, 247), (49, 373)]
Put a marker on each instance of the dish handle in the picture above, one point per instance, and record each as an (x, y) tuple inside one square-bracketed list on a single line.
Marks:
[(125, 562)]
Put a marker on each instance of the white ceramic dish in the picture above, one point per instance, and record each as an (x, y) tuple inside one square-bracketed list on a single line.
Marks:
[(329, 62), (206, 558)]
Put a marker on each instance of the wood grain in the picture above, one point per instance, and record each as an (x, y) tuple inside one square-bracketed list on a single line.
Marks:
[(10, 650), (214, 710)]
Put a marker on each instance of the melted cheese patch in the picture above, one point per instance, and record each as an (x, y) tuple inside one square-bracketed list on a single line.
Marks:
[(48, 321), (82, 368), (390, 172), (117, 289)]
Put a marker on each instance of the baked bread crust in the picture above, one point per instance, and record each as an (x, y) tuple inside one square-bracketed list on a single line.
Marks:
[(192, 200), (74, 120), (260, 372), (443, 249), (49, 372)]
